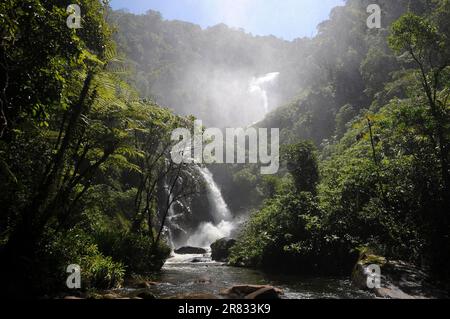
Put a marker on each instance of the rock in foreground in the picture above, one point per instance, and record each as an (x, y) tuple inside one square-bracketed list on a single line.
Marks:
[(399, 280), (190, 251), (252, 292)]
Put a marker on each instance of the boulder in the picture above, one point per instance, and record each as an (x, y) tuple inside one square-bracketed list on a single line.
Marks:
[(399, 280), (252, 292), (190, 251), (264, 293), (360, 271), (220, 250)]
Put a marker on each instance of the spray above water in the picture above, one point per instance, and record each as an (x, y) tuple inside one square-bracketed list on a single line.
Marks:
[(208, 233)]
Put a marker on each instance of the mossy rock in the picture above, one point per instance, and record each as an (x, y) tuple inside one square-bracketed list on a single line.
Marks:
[(366, 258), (373, 260)]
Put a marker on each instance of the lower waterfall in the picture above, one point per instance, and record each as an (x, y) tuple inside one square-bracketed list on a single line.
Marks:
[(223, 224)]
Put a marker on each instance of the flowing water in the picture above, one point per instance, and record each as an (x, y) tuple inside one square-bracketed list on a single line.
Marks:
[(193, 274), (181, 276), (257, 86), (223, 224)]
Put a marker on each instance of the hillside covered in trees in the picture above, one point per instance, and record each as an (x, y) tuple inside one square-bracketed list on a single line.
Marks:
[(86, 117), (373, 106)]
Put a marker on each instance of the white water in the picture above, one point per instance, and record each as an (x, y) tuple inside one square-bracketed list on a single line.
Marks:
[(223, 224), (207, 233), (257, 86), (172, 217), (220, 209)]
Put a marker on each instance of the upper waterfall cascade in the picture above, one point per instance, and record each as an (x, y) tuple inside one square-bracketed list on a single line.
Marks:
[(258, 86)]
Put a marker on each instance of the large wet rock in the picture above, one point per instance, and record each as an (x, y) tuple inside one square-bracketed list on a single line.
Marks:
[(399, 280), (220, 250), (190, 251), (264, 293), (361, 271), (252, 292), (194, 296)]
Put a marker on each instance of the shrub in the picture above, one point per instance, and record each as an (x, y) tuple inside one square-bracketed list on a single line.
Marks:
[(76, 247), (136, 251), (102, 272)]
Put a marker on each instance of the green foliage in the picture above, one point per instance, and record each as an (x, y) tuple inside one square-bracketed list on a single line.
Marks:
[(287, 235), (137, 251), (301, 162), (413, 33), (77, 247), (73, 139), (385, 204), (270, 186), (343, 118)]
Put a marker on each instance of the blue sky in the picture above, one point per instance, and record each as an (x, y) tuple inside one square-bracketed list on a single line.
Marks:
[(287, 19)]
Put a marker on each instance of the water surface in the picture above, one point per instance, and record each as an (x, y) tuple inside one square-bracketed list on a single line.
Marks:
[(181, 275)]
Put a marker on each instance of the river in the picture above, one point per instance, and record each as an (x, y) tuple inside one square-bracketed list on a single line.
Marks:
[(181, 276)]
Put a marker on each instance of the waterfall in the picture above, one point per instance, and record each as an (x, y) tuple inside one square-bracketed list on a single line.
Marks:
[(220, 211), (172, 217), (257, 87), (167, 231), (223, 224)]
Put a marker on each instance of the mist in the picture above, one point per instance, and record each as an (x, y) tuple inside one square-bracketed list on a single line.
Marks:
[(223, 76), (227, 97)]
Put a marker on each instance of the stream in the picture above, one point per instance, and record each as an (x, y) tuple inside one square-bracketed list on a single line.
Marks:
[(181, 276)]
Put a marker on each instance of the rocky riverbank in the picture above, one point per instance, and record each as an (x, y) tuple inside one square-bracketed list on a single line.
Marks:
[(197, 276), (398, 280)]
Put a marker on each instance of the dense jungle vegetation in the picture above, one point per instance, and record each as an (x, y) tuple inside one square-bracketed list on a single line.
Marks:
[(373, 104), (85, 170), (83, 158)]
